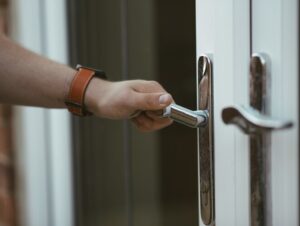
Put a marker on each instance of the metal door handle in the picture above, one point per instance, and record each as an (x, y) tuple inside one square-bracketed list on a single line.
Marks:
[(251, 121), (254, 120), (186, 116), (200, 117)]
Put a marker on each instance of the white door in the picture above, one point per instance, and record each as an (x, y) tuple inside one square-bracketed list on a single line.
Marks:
[(255, 178)]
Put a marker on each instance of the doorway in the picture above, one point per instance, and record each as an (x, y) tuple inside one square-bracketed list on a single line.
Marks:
[(122, 176)]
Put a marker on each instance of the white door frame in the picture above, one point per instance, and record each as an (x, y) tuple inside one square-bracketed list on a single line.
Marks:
[(227, 42), (43, 137), (275, 32)]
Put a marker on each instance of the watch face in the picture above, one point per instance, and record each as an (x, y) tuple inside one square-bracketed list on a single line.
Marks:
[(98, 73)]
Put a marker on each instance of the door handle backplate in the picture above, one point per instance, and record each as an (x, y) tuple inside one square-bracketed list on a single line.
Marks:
[(202, 119), (206, 140)]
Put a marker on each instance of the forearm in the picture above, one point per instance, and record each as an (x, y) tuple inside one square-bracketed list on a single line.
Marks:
[(29, 79)]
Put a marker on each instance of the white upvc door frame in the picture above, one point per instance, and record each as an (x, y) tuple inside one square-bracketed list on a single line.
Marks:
[(223, 30), (43, 137)]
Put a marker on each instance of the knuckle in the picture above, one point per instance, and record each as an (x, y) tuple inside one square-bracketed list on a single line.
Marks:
[(154, 83), (147, 125), (141, 126)]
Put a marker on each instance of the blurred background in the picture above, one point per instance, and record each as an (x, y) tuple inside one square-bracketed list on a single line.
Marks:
[(60, 170)]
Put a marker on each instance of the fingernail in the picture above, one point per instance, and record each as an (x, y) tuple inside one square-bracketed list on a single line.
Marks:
[(164, 99)]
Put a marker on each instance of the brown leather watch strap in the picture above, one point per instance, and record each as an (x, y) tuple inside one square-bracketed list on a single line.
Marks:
[(75, 98)]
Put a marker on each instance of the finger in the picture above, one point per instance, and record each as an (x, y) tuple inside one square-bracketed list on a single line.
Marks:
[(146, 124), (135, 114), (142, 122), (151, 101), (157, 117), (155, 114)]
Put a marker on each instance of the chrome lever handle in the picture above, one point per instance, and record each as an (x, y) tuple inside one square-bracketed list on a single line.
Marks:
[(252, 121), (255, 121), (186, 116)]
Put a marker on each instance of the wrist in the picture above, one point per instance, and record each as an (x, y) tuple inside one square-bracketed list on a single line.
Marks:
[(68, 83), (95, 95)]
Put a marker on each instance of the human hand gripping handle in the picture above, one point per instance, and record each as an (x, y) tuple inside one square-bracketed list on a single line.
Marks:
[(122, 100), (32, 80)]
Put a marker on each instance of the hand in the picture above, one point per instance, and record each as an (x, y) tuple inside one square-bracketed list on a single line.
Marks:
[(138, 100)]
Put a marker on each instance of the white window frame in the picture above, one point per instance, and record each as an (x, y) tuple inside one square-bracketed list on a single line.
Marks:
[(43, 137)]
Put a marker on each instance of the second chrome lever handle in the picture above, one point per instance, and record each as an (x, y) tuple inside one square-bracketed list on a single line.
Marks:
[(186, 116), (256, 121), (249, 120)]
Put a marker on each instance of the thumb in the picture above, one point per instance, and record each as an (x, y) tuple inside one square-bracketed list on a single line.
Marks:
[(152, 101)]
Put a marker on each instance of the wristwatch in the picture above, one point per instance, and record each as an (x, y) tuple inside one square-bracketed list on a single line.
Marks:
[(75, 98)]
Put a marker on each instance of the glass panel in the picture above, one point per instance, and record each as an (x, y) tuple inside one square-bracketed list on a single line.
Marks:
[(164, 164)]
